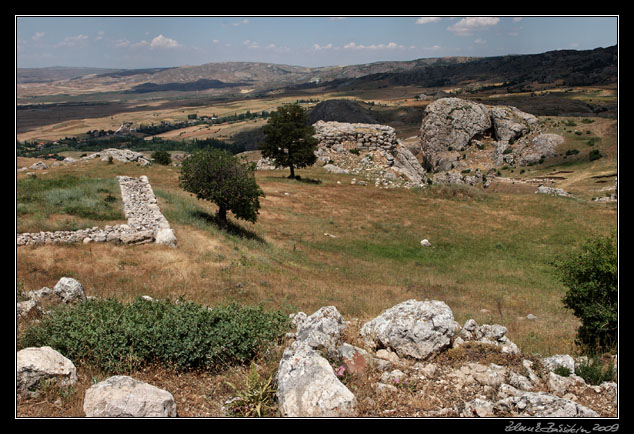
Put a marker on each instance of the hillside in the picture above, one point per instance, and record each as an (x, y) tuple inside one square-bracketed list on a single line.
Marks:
[(568, 68)]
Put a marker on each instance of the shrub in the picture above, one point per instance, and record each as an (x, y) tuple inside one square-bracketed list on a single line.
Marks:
[(115, 336), (595, 155), (592, 281), (162, 157), (594, 372)]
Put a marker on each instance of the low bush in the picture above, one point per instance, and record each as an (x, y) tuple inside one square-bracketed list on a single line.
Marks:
[(114, 336)]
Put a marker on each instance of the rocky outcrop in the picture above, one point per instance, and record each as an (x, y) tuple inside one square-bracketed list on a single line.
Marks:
[(122, 155), (448, 126), (451, 126), (370, 150), (37, 365), (122, 396), (406, 345)]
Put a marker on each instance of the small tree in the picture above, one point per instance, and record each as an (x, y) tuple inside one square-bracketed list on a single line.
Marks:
[(591, 276), (289, 138), (162, 157), (220, 177)]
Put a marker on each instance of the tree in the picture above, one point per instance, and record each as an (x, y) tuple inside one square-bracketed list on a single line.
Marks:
[(220, 177), (591, 275), (289, 138), (162, 157)]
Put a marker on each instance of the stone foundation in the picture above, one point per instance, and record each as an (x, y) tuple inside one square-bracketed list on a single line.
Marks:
[(146, 223)]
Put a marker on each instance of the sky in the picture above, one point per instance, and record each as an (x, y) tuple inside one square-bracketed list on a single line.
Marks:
[(131, 42)]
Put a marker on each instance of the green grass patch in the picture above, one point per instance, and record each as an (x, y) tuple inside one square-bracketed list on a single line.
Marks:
[(87, 201)]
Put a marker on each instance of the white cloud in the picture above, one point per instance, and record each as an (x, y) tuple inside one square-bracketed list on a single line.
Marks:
[(517, 19), (163, 42), (322, 47), (251, 44), (239, 23), (37, 36), (480, 41), (73, 41), (388, 46), (121, 43), (468, 25), (99, 35), (426, 20)]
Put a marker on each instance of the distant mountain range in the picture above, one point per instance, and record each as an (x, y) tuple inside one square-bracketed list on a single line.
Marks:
[(563, 67)]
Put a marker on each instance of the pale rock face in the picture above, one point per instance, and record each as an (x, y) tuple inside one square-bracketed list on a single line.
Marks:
[(308, 386), (322, 330), (416, 329), (539, 404), (122, 396), (451, 122), (37, 364)]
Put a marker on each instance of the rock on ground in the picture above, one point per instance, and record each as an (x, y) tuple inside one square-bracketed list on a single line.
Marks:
[(122, 396), (416, 329), (308, 386), (35, 365)]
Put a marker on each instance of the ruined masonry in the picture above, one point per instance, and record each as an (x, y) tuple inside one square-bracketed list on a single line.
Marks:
[(146, 223)]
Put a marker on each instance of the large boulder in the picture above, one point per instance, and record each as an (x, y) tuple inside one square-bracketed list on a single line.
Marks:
[(122, 396), (35, 365), (509, 123), (448, 126), (417, 329), (308, 386)]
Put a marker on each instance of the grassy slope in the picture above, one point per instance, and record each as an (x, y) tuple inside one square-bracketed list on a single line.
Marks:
[(490, 260)]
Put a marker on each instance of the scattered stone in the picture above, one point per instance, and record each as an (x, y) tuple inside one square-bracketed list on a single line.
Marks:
[(122, 396), (425, 243)]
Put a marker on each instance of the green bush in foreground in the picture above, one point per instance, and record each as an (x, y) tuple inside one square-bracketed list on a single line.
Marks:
[(591, 276), (115, 336)]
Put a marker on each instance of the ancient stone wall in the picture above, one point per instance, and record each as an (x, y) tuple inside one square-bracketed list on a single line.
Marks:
[(146, 223)]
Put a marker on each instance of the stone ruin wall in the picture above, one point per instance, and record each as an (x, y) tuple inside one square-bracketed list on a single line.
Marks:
[(145, 224)]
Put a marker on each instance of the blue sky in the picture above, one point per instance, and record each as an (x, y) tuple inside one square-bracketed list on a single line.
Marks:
[(162, 41)]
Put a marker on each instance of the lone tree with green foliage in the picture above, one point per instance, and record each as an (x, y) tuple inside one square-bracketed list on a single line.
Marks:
[(289, 138), (162, 157), (591, 276), (220, 177)]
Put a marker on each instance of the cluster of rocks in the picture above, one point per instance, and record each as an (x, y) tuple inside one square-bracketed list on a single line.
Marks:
[(145, 224), (451, 126), (117, 396), (36, 303), (612, 197), (368, 150), (544, 189), (122, 155), (403, 343)]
